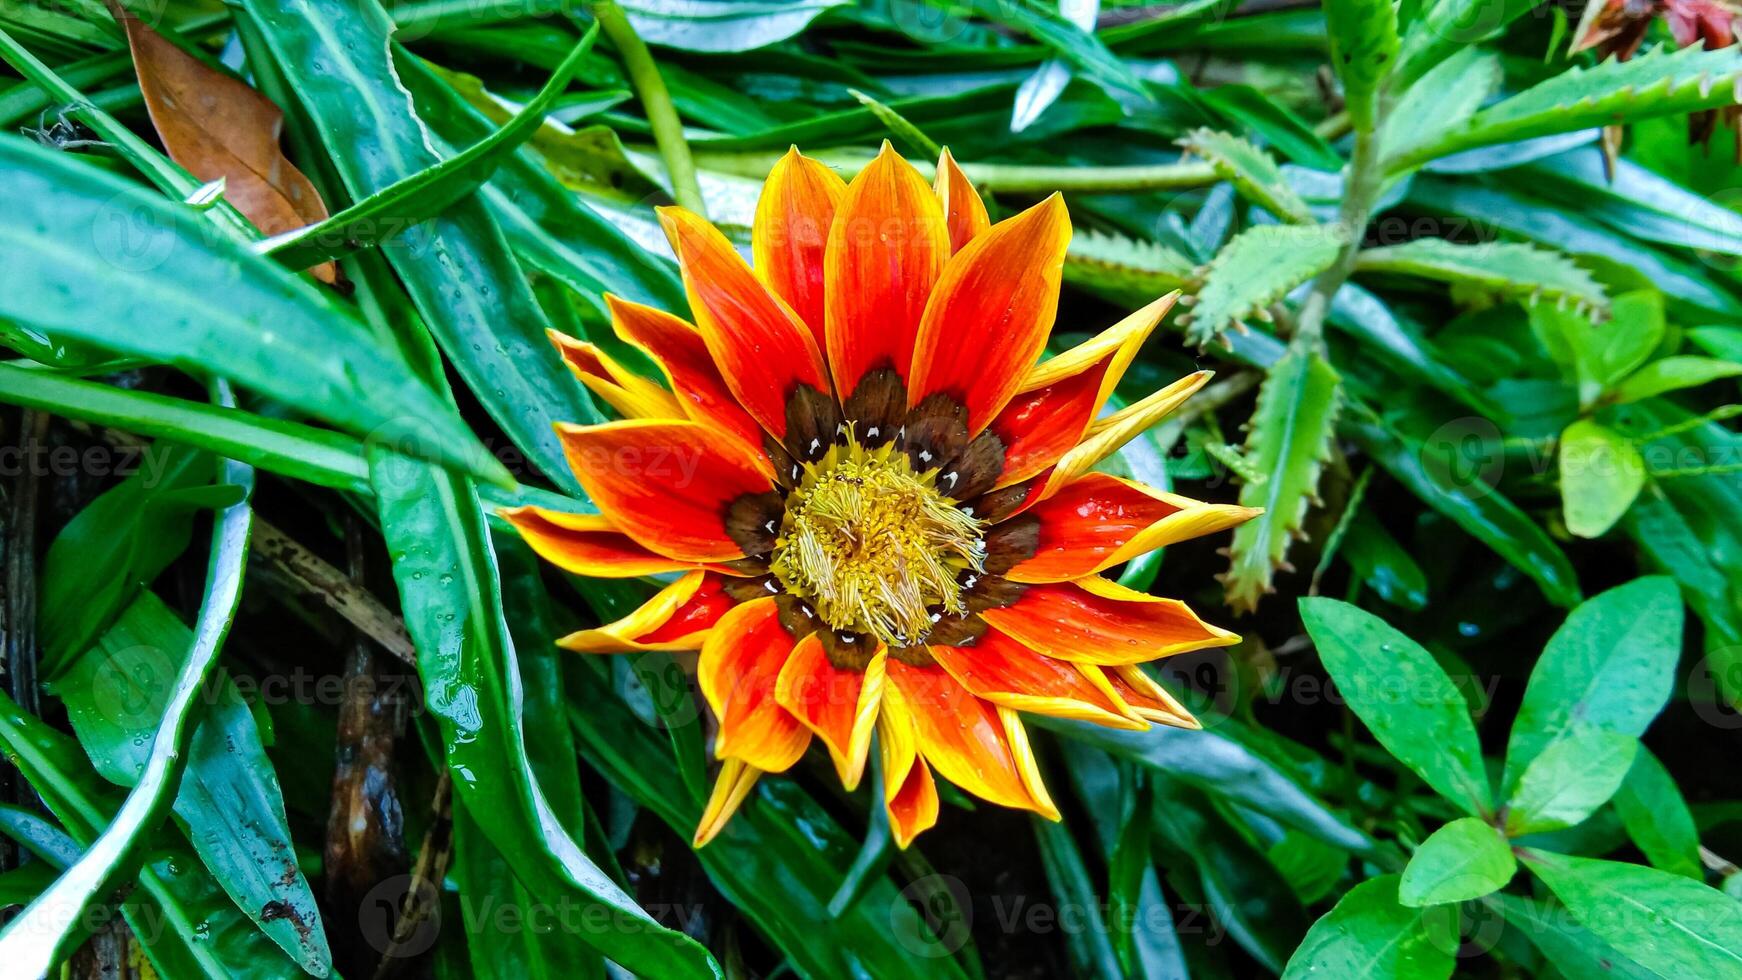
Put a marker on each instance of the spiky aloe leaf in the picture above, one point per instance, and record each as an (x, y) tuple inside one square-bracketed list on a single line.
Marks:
[(1290, 439), (1257, 268), (1120, 267), (1657, 83), (1363, 36), (1253, 173), (1512, 269)]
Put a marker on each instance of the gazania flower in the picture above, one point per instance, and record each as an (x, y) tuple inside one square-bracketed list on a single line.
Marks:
[(878, 506)]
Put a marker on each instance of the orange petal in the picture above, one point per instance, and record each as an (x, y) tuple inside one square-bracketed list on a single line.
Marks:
[(1147, 698), (665, 483), (964, 212), (1061, 396), (1008, 674), (678, 348), (586, 544), (633, 396), (887, 248), (1094, 621), (791, 232), (839, 705), (730, 788), (961, 735), (738, 670), (1098, 521), (1108, 434), (912, 805), (763, 350), (989, 316), (678, 618)]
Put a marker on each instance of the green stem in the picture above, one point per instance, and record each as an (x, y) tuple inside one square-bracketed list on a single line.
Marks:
[(656, 102), (1359, 194), (991, 177)]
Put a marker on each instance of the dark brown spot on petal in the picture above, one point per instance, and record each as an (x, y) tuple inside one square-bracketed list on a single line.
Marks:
[(797, 616), (1011, 543), (957, 631), (1000, 504), (917, 656), (936, 432), (786, 469), (753, 520), (812, 419), (877, 407), (974, 470), (992, 592), (847, 650), (745, 589)]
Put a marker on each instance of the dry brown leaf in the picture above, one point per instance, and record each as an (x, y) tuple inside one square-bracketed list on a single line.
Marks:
[(216, 126)]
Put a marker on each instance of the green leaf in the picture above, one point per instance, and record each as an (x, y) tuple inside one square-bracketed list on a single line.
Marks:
[(1289, 442), (1090, 948), (301, 452), (1657, 817), (1673, 374), (1465, 859), (465, 283), (1384, 565), (451, 596), (1254, 174), (1220, 766), (1509, 269), (228, 800), (1611, 664), (899, 126), (428, 192), (1125, 269), (1656, 83), (1369, 936), (1363, 42), (1257, 268), (1129, 871), (1569, 780), (1404, 697), (265, 328), (1446, 96), (716, 26), (1601, 472), (1572, 948), (1439, 471), (1664, 922), (1443, 27)]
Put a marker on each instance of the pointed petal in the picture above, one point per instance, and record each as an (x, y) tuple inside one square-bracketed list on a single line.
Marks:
[(633, 396), (1094, 621), (964, 212), (838, 704), (1108, 434), (738, 670), (665, 483), (586, 544), (961, 735), (763, 350), (886, 250), (702, 392), (1098, 521), (1003, 671), (1061, 396), (990, 314), (1147, 698), (730, 788), (913, 805), (677, 618), (791, 231), (1026, 765)]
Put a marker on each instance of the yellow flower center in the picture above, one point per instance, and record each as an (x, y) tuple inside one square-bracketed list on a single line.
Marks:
[(873, 547)]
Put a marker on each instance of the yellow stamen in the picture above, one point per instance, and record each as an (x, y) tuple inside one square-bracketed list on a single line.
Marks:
[(874, 547)]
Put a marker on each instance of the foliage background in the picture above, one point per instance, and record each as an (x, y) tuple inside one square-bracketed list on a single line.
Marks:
[(1473, 300)]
